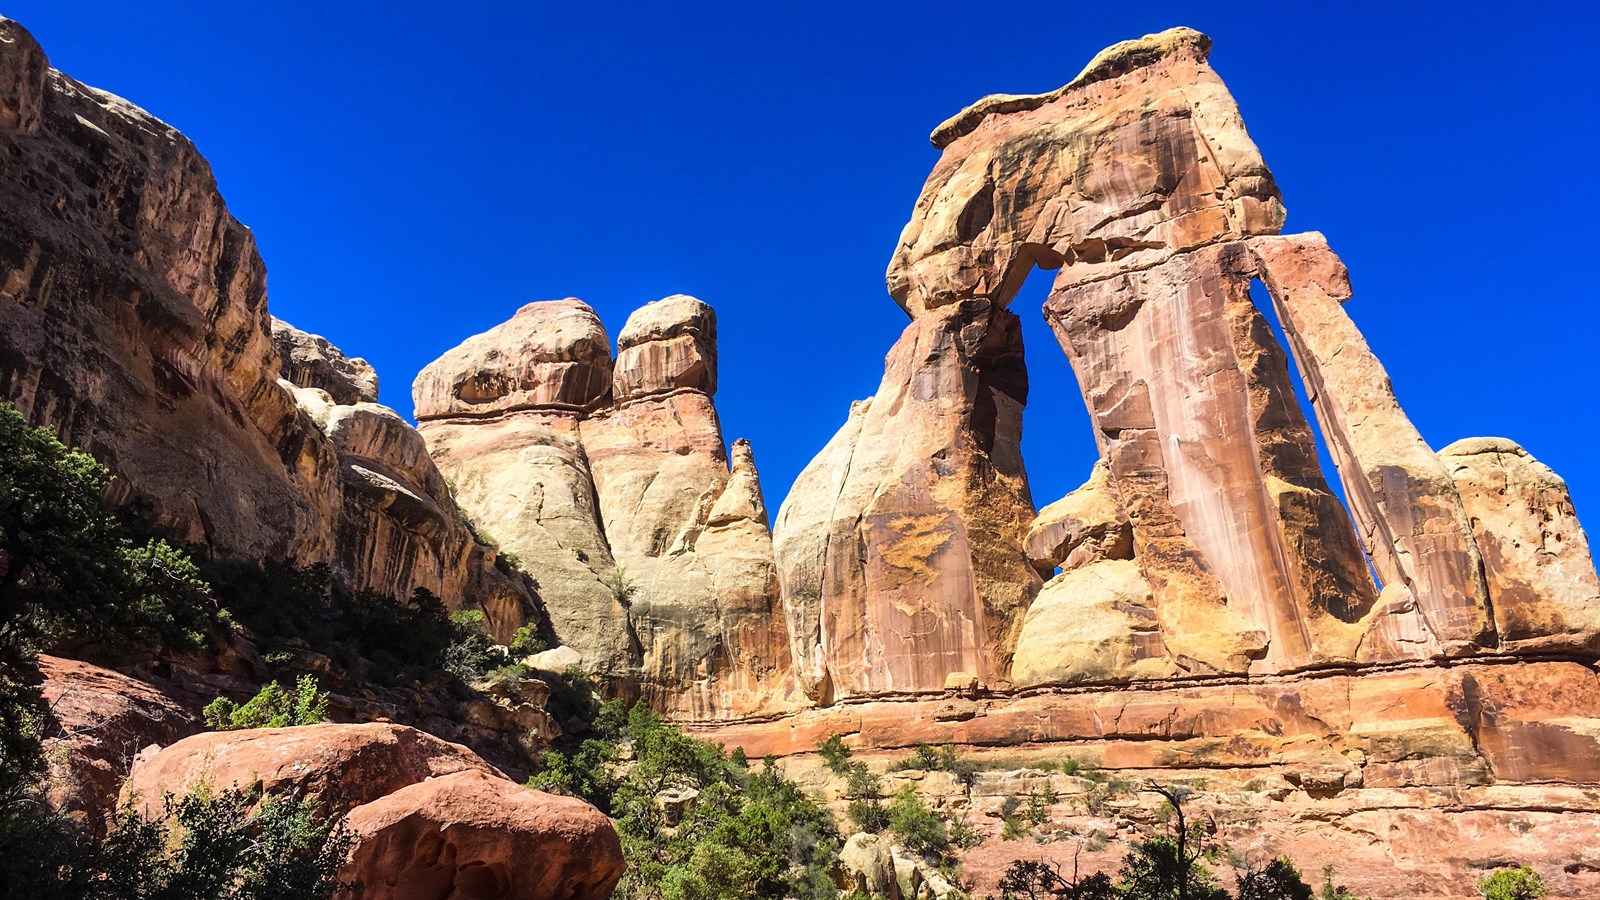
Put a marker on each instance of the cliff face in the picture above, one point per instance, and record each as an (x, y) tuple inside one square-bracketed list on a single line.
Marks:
[(611, 484), (133, 320)]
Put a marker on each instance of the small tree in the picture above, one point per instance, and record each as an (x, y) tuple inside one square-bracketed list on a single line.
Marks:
[(1521, 883), (1168, 867), (835, 755), (1033, 879), (919, 828)]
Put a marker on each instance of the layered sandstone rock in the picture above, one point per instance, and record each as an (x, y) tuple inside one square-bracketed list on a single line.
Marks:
[(1411, 520), (133, 320), (900, 546), (1536, 562), (337, 767), (500, 415), (310, 361), (1085, 526), (689, 530), (470, 834), (675, 597), (867, 868)]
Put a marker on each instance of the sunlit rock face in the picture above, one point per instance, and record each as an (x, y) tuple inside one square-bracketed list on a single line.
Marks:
[(612, 485), (1140, 185), (900, 546), (133, 320)]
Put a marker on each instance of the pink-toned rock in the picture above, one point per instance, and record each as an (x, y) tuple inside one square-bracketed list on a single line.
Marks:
[(339, 767), (1536, 561), (900, 546), (1085, 526), (474, 835), (1411, 520), (103, 719)]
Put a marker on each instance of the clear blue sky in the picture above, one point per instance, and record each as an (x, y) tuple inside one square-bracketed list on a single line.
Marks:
[(415, 172)]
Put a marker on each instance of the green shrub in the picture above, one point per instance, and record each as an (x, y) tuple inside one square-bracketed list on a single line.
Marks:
[(869, 816), (620, 584), (835, 755), (1521, 883), (940, 758), (740, 833), (1277, 880), (1038, 805), (919, 828), (526, 642), (271, 707)]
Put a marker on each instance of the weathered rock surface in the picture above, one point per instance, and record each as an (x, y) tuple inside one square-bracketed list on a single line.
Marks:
[(675, 596), (1410, 516), (1085, 526), (103, 719), (867, 867), (900, 546), (133, 320), (1092, 624), (1536, 560), (470, 834), (338, 767), (310, 361)]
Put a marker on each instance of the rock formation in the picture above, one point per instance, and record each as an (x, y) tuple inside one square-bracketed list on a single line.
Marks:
[(1138, 182), (337, 767), (470, 834), (611, 484), (425, 815), (900, 547), (133, 320)]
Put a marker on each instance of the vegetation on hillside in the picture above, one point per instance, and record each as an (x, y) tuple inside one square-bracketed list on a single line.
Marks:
[(696, 823), (272, 707), (71, 574)]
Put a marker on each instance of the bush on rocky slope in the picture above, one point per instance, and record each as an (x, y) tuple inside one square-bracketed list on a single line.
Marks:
[(696, 824)]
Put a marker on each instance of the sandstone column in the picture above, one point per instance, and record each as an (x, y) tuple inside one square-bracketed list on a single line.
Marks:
[(900, 547)]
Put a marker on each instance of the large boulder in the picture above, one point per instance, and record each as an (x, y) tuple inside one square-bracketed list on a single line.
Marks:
[(102, 718), (470, 834), (309, 360), (1094, 624), (866, 868), (338, 767), (1536, 561)]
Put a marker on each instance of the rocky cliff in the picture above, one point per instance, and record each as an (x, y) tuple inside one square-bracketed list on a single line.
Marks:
[(133, 320), (612, 484)]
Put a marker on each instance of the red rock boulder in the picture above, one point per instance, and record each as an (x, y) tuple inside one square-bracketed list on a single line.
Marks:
[(471, 834), (339, 766)]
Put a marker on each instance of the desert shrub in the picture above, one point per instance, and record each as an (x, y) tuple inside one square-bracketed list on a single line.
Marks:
[(271, 707), (835, 755), (739, 832), (1277, 880), (621, 585), (938, 758), (1520, 883), (526, 642), (1039, 802), (868, 815), (919, 828)]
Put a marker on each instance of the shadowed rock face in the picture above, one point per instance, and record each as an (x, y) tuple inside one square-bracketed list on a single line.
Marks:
[(133, 320), (612, 485)]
